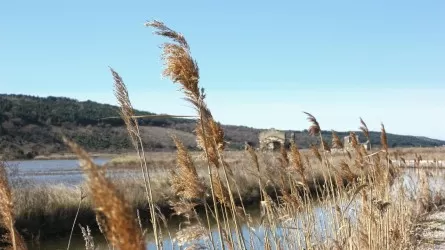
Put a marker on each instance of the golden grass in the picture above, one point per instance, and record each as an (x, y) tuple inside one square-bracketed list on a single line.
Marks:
[(122, 230), (6, 211)]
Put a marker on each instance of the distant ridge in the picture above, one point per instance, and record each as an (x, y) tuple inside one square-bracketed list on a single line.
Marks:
[(31, 126)]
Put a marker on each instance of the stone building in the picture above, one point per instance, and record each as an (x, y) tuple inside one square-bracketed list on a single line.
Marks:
[(272, 139), (347, 141)]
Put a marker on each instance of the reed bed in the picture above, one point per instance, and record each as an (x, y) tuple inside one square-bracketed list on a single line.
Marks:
[(308, 199)]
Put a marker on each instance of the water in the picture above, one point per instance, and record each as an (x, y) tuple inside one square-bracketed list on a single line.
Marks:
[(49, 171)]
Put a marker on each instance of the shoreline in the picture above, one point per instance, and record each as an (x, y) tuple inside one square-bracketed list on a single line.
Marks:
[(49, 226), (61, 156), (66, 155), (430, 230)]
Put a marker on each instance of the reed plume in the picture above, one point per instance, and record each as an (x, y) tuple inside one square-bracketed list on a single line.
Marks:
[(364, 128), (384, 139), (325, 146), (221, 191), (210, 138), (297, 161), (181, 68), (314, 129), (87, 237), (126, 109), (190, 233), (284, 158), (103, 227), (183, 207), (127, 114), (185, 181), (254, 156), (123, 231), (7, 210), (336, 141), (354, 141), (316, 153), (350, 176)]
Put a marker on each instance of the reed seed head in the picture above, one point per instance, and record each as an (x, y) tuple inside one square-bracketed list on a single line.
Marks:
[(221, 192), (126, 109), (364, 128), (185, 180), (325, 146), (336, 141), (296, 158), (316, 153), (253, 155), (314, 129), (284, 159), (384, 139), (123, 231), (354, 142), (7, 211), (181, 68)]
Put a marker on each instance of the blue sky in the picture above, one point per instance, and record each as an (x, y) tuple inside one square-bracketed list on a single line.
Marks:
[(262, 63)]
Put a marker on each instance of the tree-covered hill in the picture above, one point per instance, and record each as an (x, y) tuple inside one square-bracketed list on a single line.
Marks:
[(31, 126)]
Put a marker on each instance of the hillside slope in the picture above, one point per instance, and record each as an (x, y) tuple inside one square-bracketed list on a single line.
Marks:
[(32, 126)]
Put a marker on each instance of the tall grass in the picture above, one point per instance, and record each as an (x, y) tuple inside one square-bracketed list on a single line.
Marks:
[(308, 199), (6, 211)]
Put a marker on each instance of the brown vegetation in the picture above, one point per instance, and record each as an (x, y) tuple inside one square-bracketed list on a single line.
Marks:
[(362, 202)]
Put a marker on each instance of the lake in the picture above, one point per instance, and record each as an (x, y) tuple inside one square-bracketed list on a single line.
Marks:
[(50, 171)]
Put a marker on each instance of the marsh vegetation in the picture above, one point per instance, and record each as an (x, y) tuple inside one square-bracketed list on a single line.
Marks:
[(305, 199)]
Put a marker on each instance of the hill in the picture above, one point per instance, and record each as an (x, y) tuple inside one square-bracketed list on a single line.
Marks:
[(31, 126)]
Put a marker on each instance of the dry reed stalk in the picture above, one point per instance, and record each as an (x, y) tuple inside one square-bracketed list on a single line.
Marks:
[(210, 137), (354, 142), (336, 141), (183, 207), (122, 228), (325, 146), (103, 227), (190, 233), (126, 108), (384, 139), (425, 199), (7, 210), (365, 130), (284, 159), (314, 129), (220, 190), (185, 180), (347, 170), (181, 68), (316, 153), (127, 114), (87, 237), (82, 196), (233, 207), (297, 162), (254, 158)]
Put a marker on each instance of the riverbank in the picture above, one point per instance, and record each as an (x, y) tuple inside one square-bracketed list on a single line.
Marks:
[(48, 211), (59, 156), (430, 229), (431, 153)]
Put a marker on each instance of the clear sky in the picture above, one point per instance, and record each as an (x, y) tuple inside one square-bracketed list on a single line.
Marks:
[(261, 62)]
